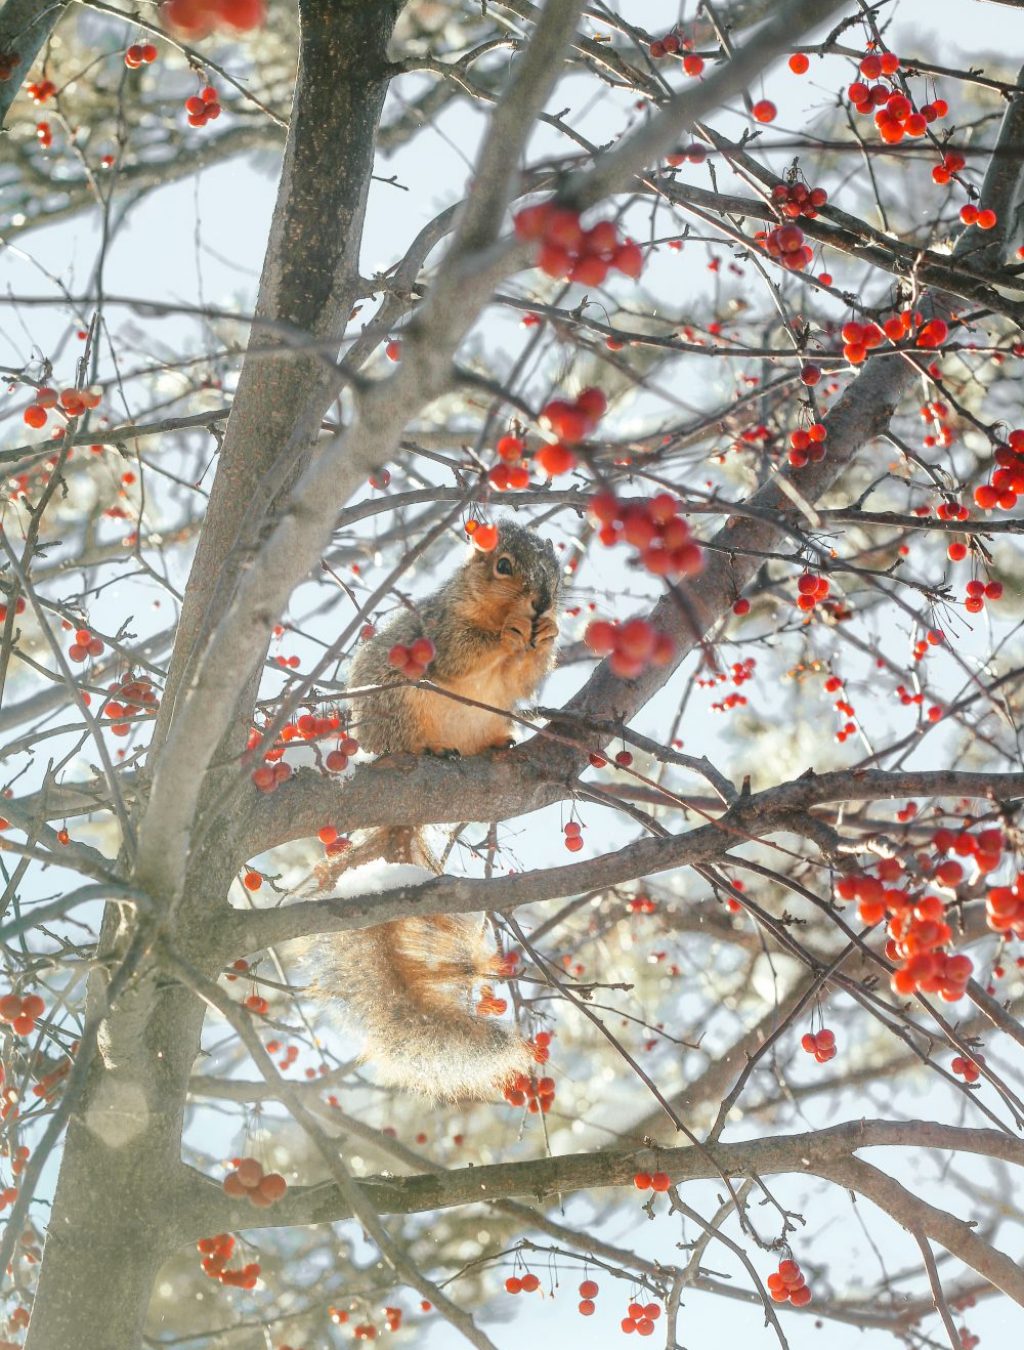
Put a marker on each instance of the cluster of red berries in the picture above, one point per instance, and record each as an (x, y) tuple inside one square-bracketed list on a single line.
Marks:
[(69, 402), (788, 1285), (652, 1181), (936, 414), (982, 216), (980, 591), (821, 1044), (738, 674), (917, 940), (337, 759), (484, 537), (21, 1014), (907, 699), (641, 904), (131, 695), (985, 847), (895, 115), (952, 162), (730, 701), (269, 777), (568, 422), (860, 338), (655, 529), (522, 1284), (512, 472), (797, 199), (842, 706), (933, 638), (241, 966), (630, 647), (671, 45), (694, 153), (412, 661), (308, 727), (536, 1095), (257, 1003), (40, 91), (7, 1197), (540, 1046), (807, 445), (247, 1180), (569, 252), (86, 644), (44, 135), (588, 1292), (333, 842), (1007, 482), (917, 932), (573, 832), (968, 1069), (1004, 909), (787, 244), (291, 1054), (811, 590), (140, 54), (197, 18), (216, 1252), (203, 107), (640, 1317)]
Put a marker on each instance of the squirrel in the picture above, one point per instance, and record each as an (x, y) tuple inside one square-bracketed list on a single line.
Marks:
[(420, 987)]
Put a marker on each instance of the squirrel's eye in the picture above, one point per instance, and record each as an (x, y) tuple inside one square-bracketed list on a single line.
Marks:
[(503, 567)]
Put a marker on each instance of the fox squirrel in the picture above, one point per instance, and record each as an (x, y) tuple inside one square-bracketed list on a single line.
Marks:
[(420, 987)]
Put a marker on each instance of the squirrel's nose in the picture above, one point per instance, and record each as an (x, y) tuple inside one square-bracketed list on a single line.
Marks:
[(543, 601)]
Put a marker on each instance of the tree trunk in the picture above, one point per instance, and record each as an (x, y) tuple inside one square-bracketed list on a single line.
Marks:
[(309, 284), (122, 1192), (122, 1186)]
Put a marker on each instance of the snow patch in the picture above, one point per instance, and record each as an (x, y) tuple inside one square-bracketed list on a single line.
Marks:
[(376, 877)]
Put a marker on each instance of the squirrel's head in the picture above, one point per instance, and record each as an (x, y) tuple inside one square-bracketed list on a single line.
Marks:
[(521, 569)]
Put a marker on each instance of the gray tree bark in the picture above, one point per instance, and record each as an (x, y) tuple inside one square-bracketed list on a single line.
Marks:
[(122, 1187)]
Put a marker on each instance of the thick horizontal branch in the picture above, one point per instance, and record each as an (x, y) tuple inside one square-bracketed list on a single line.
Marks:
[(419, 790), (825, 1153)]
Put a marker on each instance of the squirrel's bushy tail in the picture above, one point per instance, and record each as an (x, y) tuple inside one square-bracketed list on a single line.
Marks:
[(420, 990)]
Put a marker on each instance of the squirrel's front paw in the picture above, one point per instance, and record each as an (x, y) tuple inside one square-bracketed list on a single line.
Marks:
[(516, 634), (545, 630)]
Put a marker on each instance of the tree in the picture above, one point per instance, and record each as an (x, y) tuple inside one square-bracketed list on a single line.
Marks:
[(800, 481)]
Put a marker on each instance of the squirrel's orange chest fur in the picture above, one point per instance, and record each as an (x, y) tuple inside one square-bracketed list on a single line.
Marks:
[(448, 724)]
